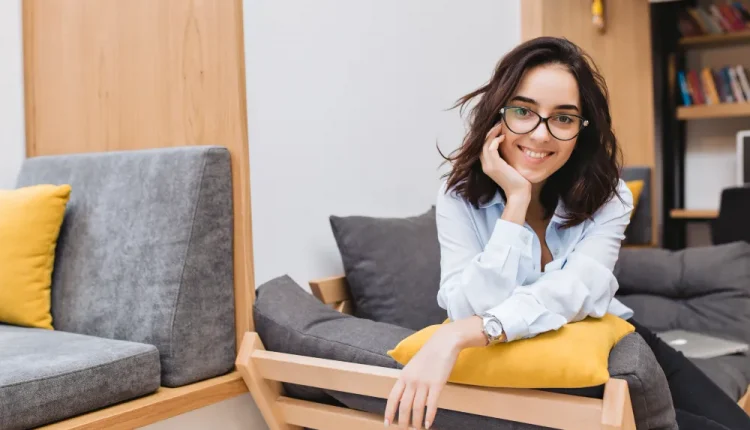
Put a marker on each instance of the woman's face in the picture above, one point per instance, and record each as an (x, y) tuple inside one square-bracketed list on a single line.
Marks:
[(549, 90)]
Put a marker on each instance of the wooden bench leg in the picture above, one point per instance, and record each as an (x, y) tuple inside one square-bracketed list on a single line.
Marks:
[(745, 401), (265, 393), (617, 411)]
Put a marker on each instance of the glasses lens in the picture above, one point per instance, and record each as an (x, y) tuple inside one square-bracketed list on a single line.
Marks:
[(520, 120), (564, 127)]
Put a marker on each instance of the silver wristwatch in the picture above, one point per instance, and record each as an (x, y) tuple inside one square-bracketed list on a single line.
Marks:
[(493, 328)]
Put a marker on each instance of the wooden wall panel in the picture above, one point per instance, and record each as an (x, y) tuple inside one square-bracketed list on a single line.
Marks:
[(623, 55), (105, 75)]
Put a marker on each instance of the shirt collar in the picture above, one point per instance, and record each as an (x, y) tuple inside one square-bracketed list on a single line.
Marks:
[(497, 199)]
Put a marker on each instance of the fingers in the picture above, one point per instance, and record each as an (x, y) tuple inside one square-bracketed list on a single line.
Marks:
[(494, 131), (393, 401), (404, 410), (490, 157), (417, 409), (432, 401), (494, 144)]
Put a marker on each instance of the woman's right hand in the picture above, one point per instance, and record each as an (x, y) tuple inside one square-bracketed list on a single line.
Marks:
[(416, 392), (513, 183)]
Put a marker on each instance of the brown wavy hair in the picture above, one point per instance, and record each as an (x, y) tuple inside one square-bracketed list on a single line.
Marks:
[(589, 178)]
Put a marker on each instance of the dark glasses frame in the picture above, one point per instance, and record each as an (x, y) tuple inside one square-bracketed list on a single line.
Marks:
[(541, 119)]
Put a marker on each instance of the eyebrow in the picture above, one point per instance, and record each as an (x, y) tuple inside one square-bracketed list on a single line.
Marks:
[(534, 102)]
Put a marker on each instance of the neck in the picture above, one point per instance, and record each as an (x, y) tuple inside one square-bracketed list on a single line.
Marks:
[(535, 210)]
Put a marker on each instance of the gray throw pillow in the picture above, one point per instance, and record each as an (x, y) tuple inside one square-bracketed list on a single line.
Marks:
[(393, 267)]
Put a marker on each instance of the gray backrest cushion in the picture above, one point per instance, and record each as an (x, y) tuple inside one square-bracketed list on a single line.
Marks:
[(145, 253), (290, 320), (704, 289), (640, 228), (392, 266)]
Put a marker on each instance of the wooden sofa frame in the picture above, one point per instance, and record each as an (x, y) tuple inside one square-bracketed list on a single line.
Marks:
[(264, 371)]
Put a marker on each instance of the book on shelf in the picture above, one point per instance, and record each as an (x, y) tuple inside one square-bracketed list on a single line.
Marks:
[(728, 84), (717, 18)]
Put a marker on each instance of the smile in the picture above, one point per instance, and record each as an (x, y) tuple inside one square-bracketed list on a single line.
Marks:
[(537, 155)]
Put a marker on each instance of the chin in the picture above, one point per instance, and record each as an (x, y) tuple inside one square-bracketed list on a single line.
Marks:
[(533, 176)]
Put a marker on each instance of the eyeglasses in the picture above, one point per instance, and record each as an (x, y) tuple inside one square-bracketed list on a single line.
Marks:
[(562, 126)]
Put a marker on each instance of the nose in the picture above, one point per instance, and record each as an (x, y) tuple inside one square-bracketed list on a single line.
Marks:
[(540, 133)]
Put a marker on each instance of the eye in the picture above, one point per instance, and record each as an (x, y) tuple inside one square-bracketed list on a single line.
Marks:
[(565, 119), (520, 112)]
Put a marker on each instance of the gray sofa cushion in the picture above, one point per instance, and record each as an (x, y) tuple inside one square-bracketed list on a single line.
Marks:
[(290, 320), (145, 253), (731, 373), (392, 266), (702, 289), (46, 375), (705, 289)]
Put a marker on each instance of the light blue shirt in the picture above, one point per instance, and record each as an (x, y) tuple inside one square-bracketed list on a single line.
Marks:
[(492, 265)]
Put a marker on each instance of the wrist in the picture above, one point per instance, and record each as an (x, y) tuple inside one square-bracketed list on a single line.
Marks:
[(467, 333), (520, 197), (515, 207)]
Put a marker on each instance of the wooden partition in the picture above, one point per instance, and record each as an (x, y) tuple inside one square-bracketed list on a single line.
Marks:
[(105, 75), (623, 54)]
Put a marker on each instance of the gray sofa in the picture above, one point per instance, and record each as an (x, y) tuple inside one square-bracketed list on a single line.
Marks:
[(392, 268), (142, 290)]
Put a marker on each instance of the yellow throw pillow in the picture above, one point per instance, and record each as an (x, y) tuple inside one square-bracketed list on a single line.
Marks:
[(635, 187), (30, 220), (574, 356)]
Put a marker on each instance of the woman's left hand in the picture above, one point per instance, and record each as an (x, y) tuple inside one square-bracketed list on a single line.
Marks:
[(422, 380)]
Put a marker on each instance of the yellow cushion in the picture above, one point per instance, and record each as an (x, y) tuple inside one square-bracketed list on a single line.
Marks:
[(574, 356), (635, 187), (30, 220)]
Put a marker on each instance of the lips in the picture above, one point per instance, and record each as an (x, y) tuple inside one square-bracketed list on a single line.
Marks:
[(534, 154)]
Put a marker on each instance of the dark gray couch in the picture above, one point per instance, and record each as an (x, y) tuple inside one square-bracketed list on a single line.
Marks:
[(142, 291), (392, 267), (290, 320)]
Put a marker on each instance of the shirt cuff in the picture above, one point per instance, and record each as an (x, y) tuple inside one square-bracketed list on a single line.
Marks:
[(510, 234), (510, 313)]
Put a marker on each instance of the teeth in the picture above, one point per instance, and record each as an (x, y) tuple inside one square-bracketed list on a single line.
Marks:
[(533, 154)]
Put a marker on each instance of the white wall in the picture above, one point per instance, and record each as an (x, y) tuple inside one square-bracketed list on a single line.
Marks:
[(345, 103), (12, 134)]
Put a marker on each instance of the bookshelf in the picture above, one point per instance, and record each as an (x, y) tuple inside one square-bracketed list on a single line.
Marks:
[(711, 40), (722, 110), (694, 214), (695, 29)]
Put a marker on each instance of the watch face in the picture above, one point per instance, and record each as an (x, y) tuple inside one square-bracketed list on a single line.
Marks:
[(494, 328)]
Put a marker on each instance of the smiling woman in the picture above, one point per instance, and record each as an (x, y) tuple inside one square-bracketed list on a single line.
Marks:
[(530, 222)]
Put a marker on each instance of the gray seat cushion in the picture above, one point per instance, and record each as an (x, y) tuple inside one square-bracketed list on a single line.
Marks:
[(290, 320), (392, 266), (145, 253), (47, 375), (731, 373)]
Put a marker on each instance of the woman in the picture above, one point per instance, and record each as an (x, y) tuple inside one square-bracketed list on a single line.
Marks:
[(530, 221)]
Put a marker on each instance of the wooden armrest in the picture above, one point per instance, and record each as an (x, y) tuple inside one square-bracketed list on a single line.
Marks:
[(264, 371), (331, 290)]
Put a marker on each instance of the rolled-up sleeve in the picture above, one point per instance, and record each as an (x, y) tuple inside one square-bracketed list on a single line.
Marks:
[(584, 286), (474, 277)]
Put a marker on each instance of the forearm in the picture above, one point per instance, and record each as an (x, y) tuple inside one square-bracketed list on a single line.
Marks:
[(516, 207), (559, 297), (467, 333)]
